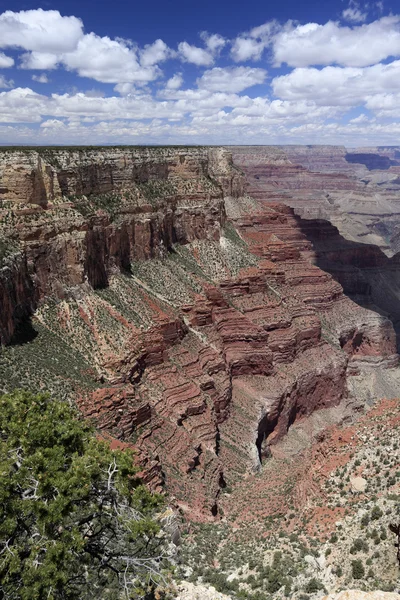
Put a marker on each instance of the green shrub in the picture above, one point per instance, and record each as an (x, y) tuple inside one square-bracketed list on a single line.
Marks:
[(313, 586), (357, 569), (75, 521), (376, 513)]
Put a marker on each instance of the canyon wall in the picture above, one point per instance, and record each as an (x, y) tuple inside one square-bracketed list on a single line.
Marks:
[(79, 216), (186, 318), (356, 190)]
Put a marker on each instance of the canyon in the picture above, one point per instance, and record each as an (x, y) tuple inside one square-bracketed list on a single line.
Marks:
[(195, 303)]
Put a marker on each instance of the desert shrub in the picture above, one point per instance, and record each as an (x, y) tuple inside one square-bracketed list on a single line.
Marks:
[(376, 513), (358, 546), (357, 569), (313, 586)]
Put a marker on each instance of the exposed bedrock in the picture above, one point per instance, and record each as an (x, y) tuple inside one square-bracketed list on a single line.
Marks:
[(203, 322), (367, 276), (17, 294), (42, 175), (50, 208), (357, 191)]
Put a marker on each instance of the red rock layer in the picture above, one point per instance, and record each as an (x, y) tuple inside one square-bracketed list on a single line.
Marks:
[(202, 384)]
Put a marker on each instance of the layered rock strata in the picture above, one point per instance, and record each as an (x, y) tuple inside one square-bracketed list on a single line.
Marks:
[(357, 190), (203, 326)]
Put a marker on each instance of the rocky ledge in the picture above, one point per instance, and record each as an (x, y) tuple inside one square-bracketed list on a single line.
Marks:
[(186, 319)]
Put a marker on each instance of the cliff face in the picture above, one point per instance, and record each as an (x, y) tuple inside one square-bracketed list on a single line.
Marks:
[(184, 318), (79, 216), (356, 191), (17, 294)]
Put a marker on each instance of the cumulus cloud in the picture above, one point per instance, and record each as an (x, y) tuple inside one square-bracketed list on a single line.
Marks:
[(42, 78), (108, 61), (251, 45), (124, 89), (332, 86), (360, 119), (39, 30), (231, 79), (332, 68), (39, 60), (360, 46), (21, 105), (194, 54), (384, 105), (214, 41), (155, 53), (6, 83), (5, 61), (246, 48), (175, 82)]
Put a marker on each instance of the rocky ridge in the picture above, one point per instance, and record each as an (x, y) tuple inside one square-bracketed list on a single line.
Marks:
[(356, 190), (184, 318)]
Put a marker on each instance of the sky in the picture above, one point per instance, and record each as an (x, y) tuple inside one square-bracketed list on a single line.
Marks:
[(200, 72)]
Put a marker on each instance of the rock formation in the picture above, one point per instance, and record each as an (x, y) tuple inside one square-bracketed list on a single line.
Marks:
[(357, 191), (185, 319), (359, 595)]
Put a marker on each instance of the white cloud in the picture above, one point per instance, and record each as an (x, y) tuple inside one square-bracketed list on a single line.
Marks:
[(39, 30), (5, 61), (338, 86), (231, 79), (354, 13), (175, 82), (6, 83), (21, 105), (39, 60), (360, 119), (251, 45), (124, 89), (42, 78), (361, 46), (108, 61), (384, 105), (53, 124), (307, 99), (194, 54), (246, 48), (155, 53), (214, 41)]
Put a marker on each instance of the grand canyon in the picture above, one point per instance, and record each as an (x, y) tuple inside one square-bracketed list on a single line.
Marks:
[(232, 314)]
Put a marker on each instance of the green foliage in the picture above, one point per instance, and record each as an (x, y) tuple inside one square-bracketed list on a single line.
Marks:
[(110, 203), (75, 521), (357, 569), (313, 586), (7, 248), (376, 513), (359, 545)]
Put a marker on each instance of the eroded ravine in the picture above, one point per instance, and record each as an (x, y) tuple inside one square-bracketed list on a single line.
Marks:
[(184, 318)]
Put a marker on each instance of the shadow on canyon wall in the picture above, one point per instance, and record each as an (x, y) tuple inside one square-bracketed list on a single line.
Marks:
[(367, 275)]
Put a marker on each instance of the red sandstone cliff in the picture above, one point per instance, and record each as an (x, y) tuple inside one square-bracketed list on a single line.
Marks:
[(206, 336)]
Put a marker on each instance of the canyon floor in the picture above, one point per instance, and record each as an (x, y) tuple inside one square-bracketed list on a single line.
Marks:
[(232, 314)]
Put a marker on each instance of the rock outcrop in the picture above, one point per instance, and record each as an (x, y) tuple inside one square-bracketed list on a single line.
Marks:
[(356, 191), (186, 320), (359, 595)]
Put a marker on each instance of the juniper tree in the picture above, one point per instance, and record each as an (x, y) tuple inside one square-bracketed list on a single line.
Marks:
[(75, 520)]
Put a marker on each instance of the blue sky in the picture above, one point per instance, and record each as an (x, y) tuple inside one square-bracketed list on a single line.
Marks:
[(218, 72)]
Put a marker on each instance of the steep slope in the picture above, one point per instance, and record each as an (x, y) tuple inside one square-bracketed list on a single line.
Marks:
[(184, 318), (357, 190)]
